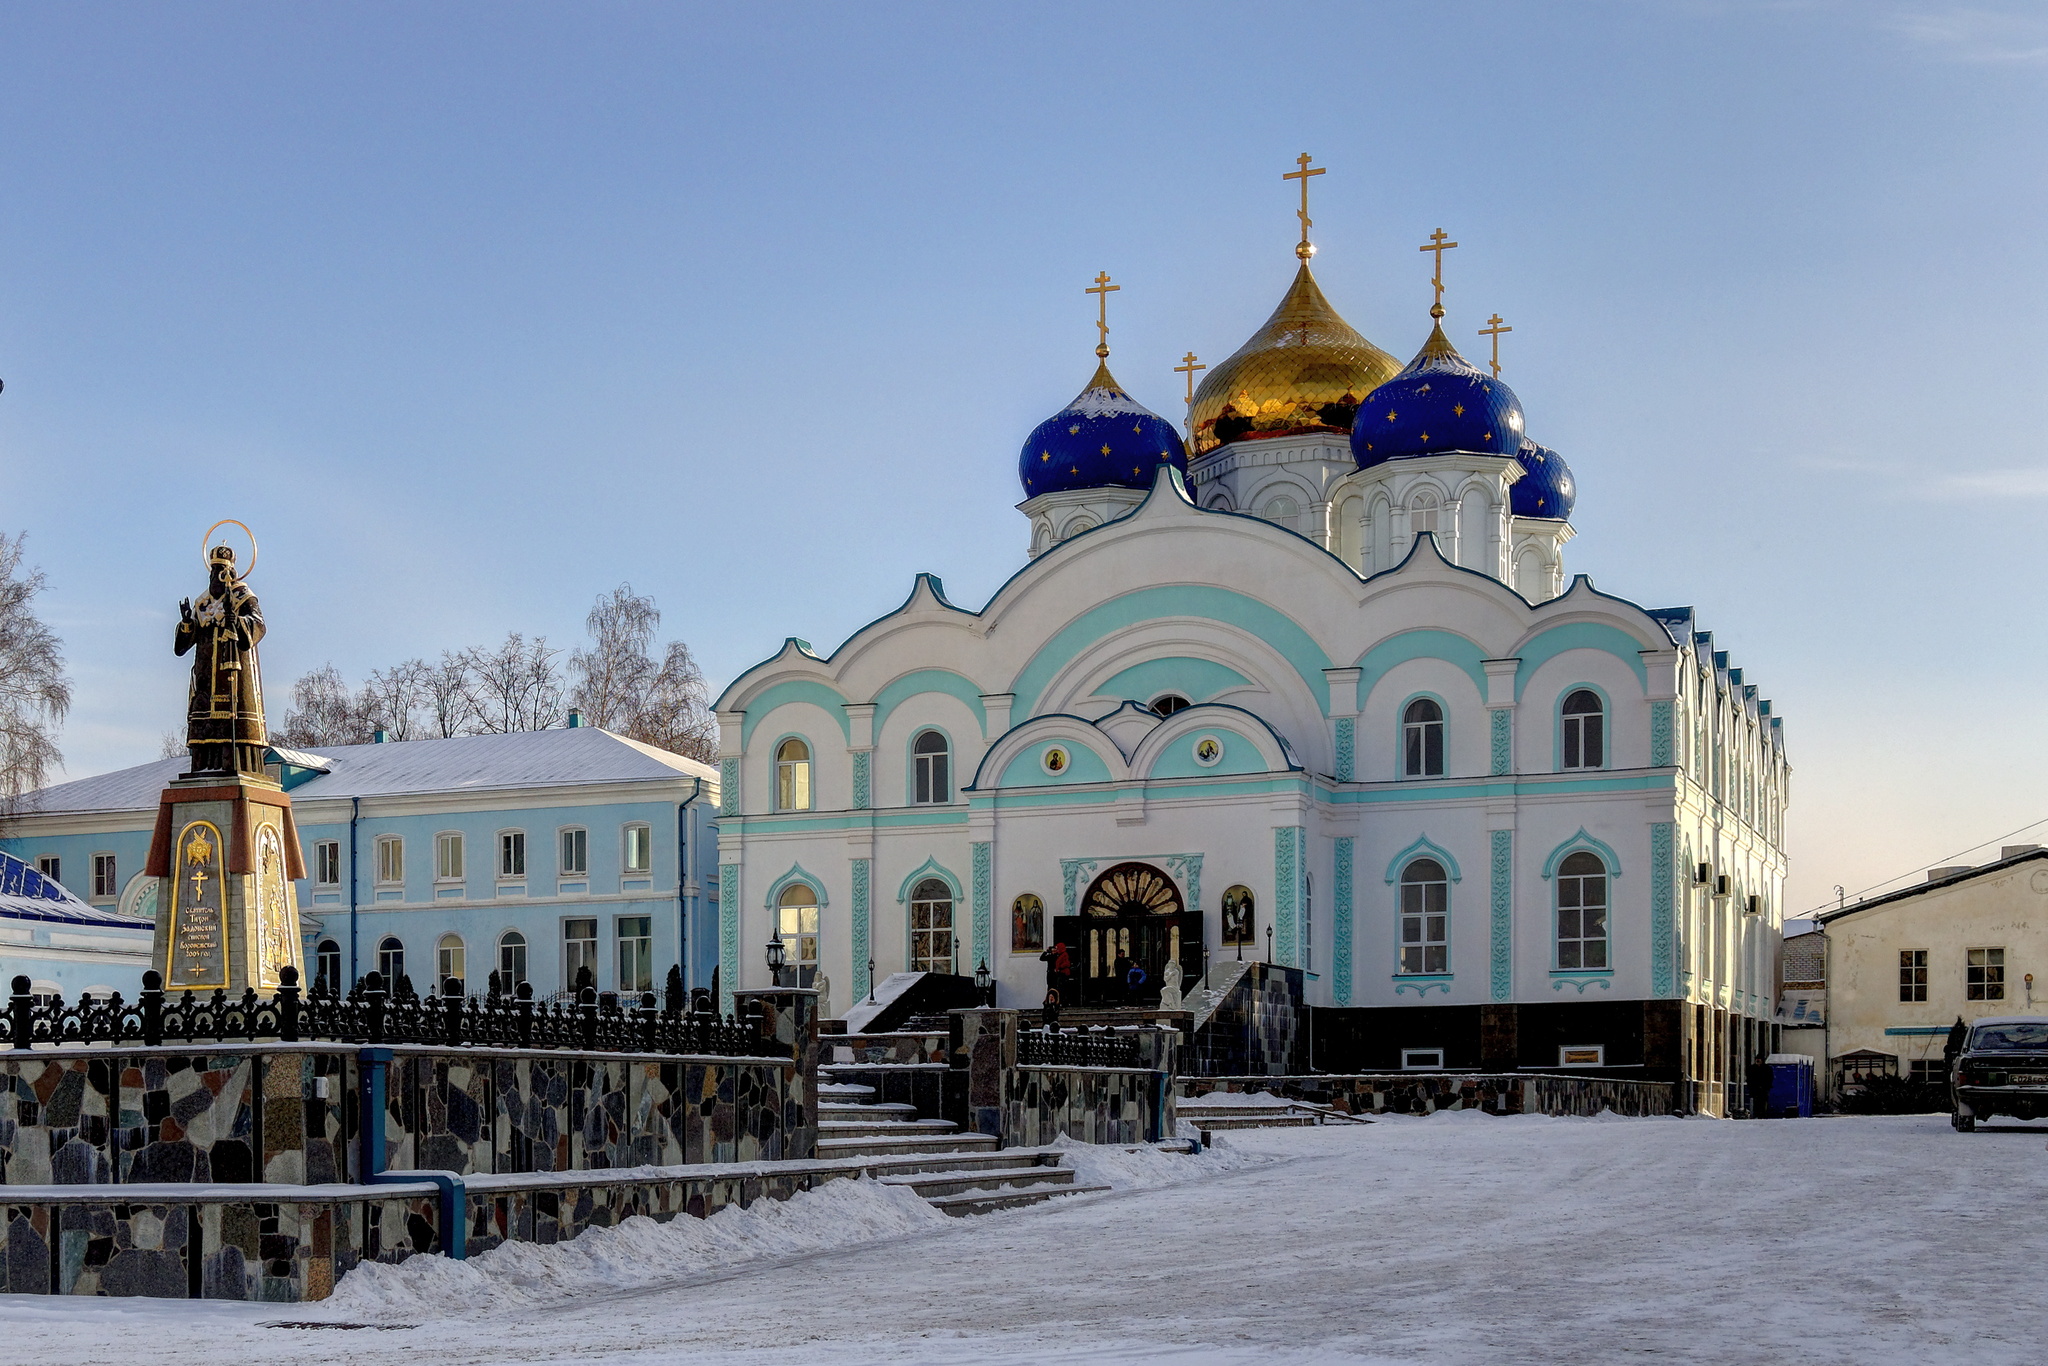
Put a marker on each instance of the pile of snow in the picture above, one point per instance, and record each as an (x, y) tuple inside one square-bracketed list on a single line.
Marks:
[(1144, 1168), (1216, 1100), (638, 1252)]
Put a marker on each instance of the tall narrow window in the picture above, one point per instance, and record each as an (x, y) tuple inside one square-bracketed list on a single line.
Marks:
[(104, 880), (636, 953), (1585, 739), (639, 849), (792, 776), (797, 922), (933, 779), (390, 859), (391, 960), (447, 858), (448, 959), (1912, 974), (327, 968), (1425, 917), (327, 862), (1422, 513), (931, 927), (511, 959), (1422, 739), (512, 853), (1985, 979), (1582, 912), (575, 853), (579, 951)]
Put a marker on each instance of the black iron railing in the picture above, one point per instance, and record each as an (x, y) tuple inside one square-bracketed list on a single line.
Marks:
[(1046, 1048), (369, 1014)]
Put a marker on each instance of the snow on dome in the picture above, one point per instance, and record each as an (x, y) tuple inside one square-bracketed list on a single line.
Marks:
[(1103, 438), (1441, 402)]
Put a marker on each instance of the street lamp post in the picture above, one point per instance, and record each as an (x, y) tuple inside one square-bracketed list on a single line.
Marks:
[(776, 957)]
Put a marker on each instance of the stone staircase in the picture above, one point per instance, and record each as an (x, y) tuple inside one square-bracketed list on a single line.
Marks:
[(957, 1172), (1259, 1112)]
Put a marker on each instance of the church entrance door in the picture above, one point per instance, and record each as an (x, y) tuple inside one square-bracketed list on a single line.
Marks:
[(1134, 911)]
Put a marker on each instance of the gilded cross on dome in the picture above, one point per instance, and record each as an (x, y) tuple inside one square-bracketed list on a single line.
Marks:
[(1102, 289), (1439, 245), (1305, 250), (1188, 365), (1497, 327)]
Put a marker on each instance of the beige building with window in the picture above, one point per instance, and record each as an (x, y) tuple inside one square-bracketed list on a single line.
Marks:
[(1901, 968)]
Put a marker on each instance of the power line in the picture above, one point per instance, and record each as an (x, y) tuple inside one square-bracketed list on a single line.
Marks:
[(1980, 844)]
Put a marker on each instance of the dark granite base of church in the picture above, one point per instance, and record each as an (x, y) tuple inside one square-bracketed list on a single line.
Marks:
[(1635, 1038)]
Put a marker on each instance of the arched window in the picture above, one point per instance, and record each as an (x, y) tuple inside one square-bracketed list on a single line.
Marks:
[(797, 923), (1425, 917), (1422, 512), (931, 927), (1585, 730), (391, 960), (511, 959), (792, 775), (327, 968), (934, 779), (1422, 740), (1582, 911), (448, 958), (1282, 511), (1166, 704)]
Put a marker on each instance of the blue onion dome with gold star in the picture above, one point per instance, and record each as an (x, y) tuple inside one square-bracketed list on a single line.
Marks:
[(1104, 438), (1441, 402), (1546, 488)]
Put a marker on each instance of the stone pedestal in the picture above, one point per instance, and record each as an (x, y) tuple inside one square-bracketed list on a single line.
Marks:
[(227, 915)]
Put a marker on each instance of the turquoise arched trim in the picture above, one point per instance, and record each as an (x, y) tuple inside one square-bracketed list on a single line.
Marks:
[(925, 681), (1424, 643), (797, 873), (1580, 635), (795, 690), (1424, 845), (1606, 728), (1198, 680), (910, 767), (1582, 840), (1260, 619), (931, 867), (1084, 765)]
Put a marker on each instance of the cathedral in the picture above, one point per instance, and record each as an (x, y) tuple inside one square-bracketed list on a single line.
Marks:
[(1310, 687)]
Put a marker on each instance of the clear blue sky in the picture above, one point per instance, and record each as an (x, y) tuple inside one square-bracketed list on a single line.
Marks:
[(476, 310)]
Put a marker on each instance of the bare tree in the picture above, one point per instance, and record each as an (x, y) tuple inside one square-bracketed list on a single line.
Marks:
[(323, 712), (399, 700), (34, 693), (675, 713), (172, 745), (613, 675), (516, 685), (451, 695)]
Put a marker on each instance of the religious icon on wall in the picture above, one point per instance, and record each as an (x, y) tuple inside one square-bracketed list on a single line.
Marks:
[(1055, 760), (1027, 924), (1238, 914)]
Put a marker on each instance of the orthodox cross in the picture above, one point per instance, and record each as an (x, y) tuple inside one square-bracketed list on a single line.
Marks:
[(1494, 332), (1102, 289), (1438, 245), (1187, 367), (1304, 251)]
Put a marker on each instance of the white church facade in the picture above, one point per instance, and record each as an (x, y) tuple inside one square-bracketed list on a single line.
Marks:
[(1313, 688)]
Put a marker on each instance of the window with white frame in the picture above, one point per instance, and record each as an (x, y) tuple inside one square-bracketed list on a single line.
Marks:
[(512, 853), (327, 968), (51, 867), (327, 862), (792, 775), (797, 924), (1425, 917), (1585, 730), (932, 783), (579, 951), (1581, 912), (105, 880), (1422, 739), (447, 857), (1984, 975), (390, 859), (1281, 510), (391, 960), (931, 927), (639, 849), (448, 958), (511, 959), (575, 853), (636, 953), (1167, 703), (1422, 512), (1422, 1060)]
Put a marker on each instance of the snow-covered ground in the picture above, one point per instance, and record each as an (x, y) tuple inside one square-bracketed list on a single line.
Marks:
[(1458, 1238)]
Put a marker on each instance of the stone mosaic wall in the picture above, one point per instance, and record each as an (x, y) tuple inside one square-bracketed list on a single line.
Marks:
[(1422, 1093), (1029, 1106), (1260, 1027)]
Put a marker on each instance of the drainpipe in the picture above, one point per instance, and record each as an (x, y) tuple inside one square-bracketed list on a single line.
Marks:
[(683, 883), (373, 1072), (355, 810)]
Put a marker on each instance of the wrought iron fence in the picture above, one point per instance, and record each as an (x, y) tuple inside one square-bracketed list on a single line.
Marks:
[(597, 1021), (1047, 1048)]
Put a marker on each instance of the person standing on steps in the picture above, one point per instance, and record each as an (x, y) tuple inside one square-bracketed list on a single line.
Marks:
[(1059, 972)]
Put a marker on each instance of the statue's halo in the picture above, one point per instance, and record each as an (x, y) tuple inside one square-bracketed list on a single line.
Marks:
[(247, 570)]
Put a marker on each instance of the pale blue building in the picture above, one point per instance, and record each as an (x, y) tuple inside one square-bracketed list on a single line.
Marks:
[(532, 854)]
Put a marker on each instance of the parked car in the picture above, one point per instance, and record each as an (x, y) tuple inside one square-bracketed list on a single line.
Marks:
[(2002, 1070)]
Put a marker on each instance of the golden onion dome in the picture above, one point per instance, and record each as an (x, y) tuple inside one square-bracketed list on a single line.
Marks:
[(1306, 370)]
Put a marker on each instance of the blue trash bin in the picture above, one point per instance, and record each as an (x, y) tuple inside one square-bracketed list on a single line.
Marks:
[(1791, 1093)]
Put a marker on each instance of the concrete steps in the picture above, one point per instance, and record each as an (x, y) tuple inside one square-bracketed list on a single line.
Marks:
[(882, 1126)]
